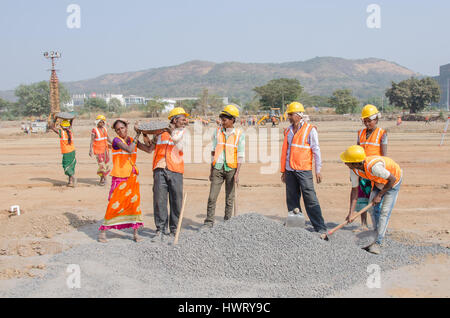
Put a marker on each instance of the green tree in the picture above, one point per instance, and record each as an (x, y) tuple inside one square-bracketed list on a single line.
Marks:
[(279, 92), (414, 94), (189, 105), (95, 103), (253, 106), (344, 101), (155, 106), (34, 99), (115, 106), (314, 100), (5, 105)]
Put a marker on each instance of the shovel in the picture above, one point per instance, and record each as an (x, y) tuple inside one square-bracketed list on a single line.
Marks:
[(295, 219), (180, 221), (340, 226)]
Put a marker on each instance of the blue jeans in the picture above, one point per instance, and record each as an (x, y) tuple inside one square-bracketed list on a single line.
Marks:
[(381, 212)]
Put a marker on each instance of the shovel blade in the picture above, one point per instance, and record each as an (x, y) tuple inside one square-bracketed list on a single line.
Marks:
[(295, 220)]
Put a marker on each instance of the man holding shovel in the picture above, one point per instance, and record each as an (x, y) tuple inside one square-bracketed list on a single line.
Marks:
[(386, 175), (301, 144), (168, 170)]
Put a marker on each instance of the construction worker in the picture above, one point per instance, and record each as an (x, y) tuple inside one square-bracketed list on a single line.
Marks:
[(300, 145), (99, 147), (66, 142), (386, 175), (374, 141), (168, 169), (228, 152)]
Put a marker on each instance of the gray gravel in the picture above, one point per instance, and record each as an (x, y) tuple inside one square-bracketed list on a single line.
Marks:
[(247, 256), (152, 126)]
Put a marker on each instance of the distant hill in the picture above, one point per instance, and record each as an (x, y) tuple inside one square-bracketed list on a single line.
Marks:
[(320, 76)]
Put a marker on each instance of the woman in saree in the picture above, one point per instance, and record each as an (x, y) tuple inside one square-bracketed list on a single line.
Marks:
[(67, 148), (124, 209)]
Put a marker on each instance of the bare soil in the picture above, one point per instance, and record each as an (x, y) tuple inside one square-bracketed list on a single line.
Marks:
[(53, 215)]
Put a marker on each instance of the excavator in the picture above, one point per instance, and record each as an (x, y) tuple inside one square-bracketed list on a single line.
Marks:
[(274, 112)]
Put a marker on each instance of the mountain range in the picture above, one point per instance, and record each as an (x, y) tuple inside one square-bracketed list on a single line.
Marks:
[(319, 76)]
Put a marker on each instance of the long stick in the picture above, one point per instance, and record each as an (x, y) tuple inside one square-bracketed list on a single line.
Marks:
[(180, 220), (351, 220), (235, 200)]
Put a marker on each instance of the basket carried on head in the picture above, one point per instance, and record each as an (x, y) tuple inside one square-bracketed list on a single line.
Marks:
[(153, 127), (65, 115)]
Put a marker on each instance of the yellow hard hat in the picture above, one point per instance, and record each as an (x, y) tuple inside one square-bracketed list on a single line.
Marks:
[(230, 110), (295, 107), (101, 117), (369, 110), (353, 154), (65, 123), (177, 111)]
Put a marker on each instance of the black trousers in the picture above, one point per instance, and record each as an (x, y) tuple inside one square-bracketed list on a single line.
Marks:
[(167, 183), (298, 184)]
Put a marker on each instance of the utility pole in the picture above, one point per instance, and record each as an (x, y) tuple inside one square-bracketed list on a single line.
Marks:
[(54, 84)]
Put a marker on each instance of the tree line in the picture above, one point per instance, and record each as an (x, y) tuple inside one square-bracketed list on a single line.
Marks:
[(412, 94)]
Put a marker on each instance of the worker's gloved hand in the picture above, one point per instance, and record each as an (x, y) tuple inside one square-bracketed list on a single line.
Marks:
[(283, 177), (236, 178)]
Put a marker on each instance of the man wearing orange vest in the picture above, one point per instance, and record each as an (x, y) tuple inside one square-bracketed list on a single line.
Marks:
[(168, 169), (99, 147), (66, 143), (228, 151), (386, 175), (300, 145), (374, 141)]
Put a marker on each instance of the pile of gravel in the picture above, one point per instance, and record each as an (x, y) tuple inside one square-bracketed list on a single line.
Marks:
[(247, 256)]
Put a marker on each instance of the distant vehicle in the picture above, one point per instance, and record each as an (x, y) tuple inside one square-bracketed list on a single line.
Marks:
[(274, 112)]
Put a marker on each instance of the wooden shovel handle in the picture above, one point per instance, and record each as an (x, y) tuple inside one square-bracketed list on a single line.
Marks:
[(180, 220), (330, 232)]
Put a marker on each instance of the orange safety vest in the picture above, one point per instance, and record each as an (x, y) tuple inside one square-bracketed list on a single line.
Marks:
[(230, 145), (64, 141), (165, 148), (123, 161), (300, 157), (101, 140), (372, 145), (389, 164)]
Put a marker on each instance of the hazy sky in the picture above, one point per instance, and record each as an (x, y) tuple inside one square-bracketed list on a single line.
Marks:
[(120, 36)]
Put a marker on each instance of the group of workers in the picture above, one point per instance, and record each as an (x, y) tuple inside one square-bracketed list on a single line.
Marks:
[(374, 177)]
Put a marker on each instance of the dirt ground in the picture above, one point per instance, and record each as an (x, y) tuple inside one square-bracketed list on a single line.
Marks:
[(53, 215)]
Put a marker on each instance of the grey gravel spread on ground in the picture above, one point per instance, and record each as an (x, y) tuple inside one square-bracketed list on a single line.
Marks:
[(247, 256)]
